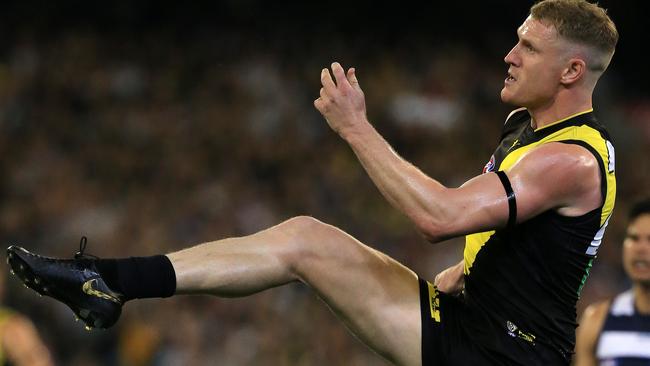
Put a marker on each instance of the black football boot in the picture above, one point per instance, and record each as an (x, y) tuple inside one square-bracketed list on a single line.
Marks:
[(75, 282)]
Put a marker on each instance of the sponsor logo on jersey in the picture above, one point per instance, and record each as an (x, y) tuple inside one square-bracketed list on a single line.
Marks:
[(515, 332), (489, 166)]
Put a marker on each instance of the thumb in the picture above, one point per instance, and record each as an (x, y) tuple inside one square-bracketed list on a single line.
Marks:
[(352, 78)]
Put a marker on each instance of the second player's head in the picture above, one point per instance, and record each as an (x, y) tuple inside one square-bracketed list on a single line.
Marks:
[(636, 246)]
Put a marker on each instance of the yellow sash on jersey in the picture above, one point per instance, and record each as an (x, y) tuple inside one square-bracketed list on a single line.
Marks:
[(584, 133)]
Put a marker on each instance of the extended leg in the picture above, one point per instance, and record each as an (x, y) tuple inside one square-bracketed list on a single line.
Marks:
[(376, 297)]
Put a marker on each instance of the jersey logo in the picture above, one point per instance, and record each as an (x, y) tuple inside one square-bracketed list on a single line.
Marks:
[(514, 144), (515, 332), (489, 166)]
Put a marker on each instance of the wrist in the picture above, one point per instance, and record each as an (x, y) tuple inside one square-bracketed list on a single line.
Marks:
[(356, 131)]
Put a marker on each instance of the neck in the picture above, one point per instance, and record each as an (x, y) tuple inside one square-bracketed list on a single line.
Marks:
[(642, 298), (565, 104)]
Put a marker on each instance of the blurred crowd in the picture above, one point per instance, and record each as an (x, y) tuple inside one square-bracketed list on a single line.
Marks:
[(152, 142)]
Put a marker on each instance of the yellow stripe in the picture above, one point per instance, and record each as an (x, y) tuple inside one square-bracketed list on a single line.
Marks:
[(564, 119), (474, 242), (434, 302)]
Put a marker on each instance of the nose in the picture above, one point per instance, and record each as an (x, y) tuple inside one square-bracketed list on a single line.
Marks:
[(511, 58)]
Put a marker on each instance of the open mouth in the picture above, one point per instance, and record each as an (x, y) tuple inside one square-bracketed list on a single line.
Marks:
[(642, 265), (510, 78)]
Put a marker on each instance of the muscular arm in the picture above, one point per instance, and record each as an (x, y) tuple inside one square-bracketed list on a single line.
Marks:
[(23, 345), (552, 176), (587, 334)]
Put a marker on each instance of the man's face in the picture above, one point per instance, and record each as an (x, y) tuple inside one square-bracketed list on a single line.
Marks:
[(535, 66), (636, 250)]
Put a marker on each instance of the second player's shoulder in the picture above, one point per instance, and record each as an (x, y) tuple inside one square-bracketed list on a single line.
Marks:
[(596, 312), (592, 321), (589, 328)]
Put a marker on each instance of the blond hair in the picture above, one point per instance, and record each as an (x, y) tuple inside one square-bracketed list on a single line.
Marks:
[(582, 22)]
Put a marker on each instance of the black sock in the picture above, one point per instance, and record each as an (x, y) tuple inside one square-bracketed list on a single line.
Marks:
[(139, 277)]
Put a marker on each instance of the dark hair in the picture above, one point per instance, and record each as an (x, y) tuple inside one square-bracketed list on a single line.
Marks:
[(639, 208)]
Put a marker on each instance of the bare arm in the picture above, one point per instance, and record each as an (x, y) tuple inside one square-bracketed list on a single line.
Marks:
[(23, 345), (552, 176), (591, 324)]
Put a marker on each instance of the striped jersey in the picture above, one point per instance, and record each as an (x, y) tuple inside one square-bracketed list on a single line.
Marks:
[(522, 283), (625, 337)]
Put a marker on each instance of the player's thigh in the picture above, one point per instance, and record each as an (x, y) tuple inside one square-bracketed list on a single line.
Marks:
[(377, 297)]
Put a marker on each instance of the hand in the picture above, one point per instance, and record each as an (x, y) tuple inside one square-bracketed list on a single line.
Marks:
[(451, 280), (342, 103)]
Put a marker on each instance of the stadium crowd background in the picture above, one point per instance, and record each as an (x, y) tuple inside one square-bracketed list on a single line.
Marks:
[(148, 127)]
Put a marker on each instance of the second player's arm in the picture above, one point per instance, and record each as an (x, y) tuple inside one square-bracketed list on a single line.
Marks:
[(588, 332)]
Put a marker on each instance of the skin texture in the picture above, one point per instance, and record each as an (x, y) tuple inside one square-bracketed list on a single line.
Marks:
[(452, 279), (636, 252), (551, 77), (376, 297), (636, 262)]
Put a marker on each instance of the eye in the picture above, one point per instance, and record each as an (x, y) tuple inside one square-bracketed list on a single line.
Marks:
[(527, 46)]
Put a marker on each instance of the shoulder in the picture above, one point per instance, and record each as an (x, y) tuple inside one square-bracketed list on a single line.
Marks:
[(568, 161), (588, 332), (596, 313), (591, 323), (556, 176)]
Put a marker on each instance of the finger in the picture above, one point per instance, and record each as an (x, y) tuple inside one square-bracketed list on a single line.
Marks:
[(326, 80), (323, 94), (339, 74), (352, 78), (318, 103)]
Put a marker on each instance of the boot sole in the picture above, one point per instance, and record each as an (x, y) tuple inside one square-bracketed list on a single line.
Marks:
[(21, 269)]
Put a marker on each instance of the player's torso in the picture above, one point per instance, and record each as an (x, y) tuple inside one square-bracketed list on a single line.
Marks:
[(523, 282), (625, 337)]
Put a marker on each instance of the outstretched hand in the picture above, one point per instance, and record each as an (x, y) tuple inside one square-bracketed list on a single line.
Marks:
[(342, 103)]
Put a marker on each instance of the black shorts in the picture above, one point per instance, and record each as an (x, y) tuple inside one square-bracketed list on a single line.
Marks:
[(447, 339), (444, 339)]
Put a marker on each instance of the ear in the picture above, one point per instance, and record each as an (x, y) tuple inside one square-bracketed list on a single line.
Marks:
[(574, 72)]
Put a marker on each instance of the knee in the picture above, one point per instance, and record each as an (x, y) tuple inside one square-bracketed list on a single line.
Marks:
[(310, 239), (304, 225), (306, 231)]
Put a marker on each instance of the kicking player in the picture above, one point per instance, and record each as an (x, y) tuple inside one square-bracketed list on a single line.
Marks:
[(534, 221)]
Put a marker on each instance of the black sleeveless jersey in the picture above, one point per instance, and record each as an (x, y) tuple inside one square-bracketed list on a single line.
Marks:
[(524, 281)]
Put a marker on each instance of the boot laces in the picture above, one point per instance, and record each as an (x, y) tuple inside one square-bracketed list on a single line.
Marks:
[(82, 248)]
